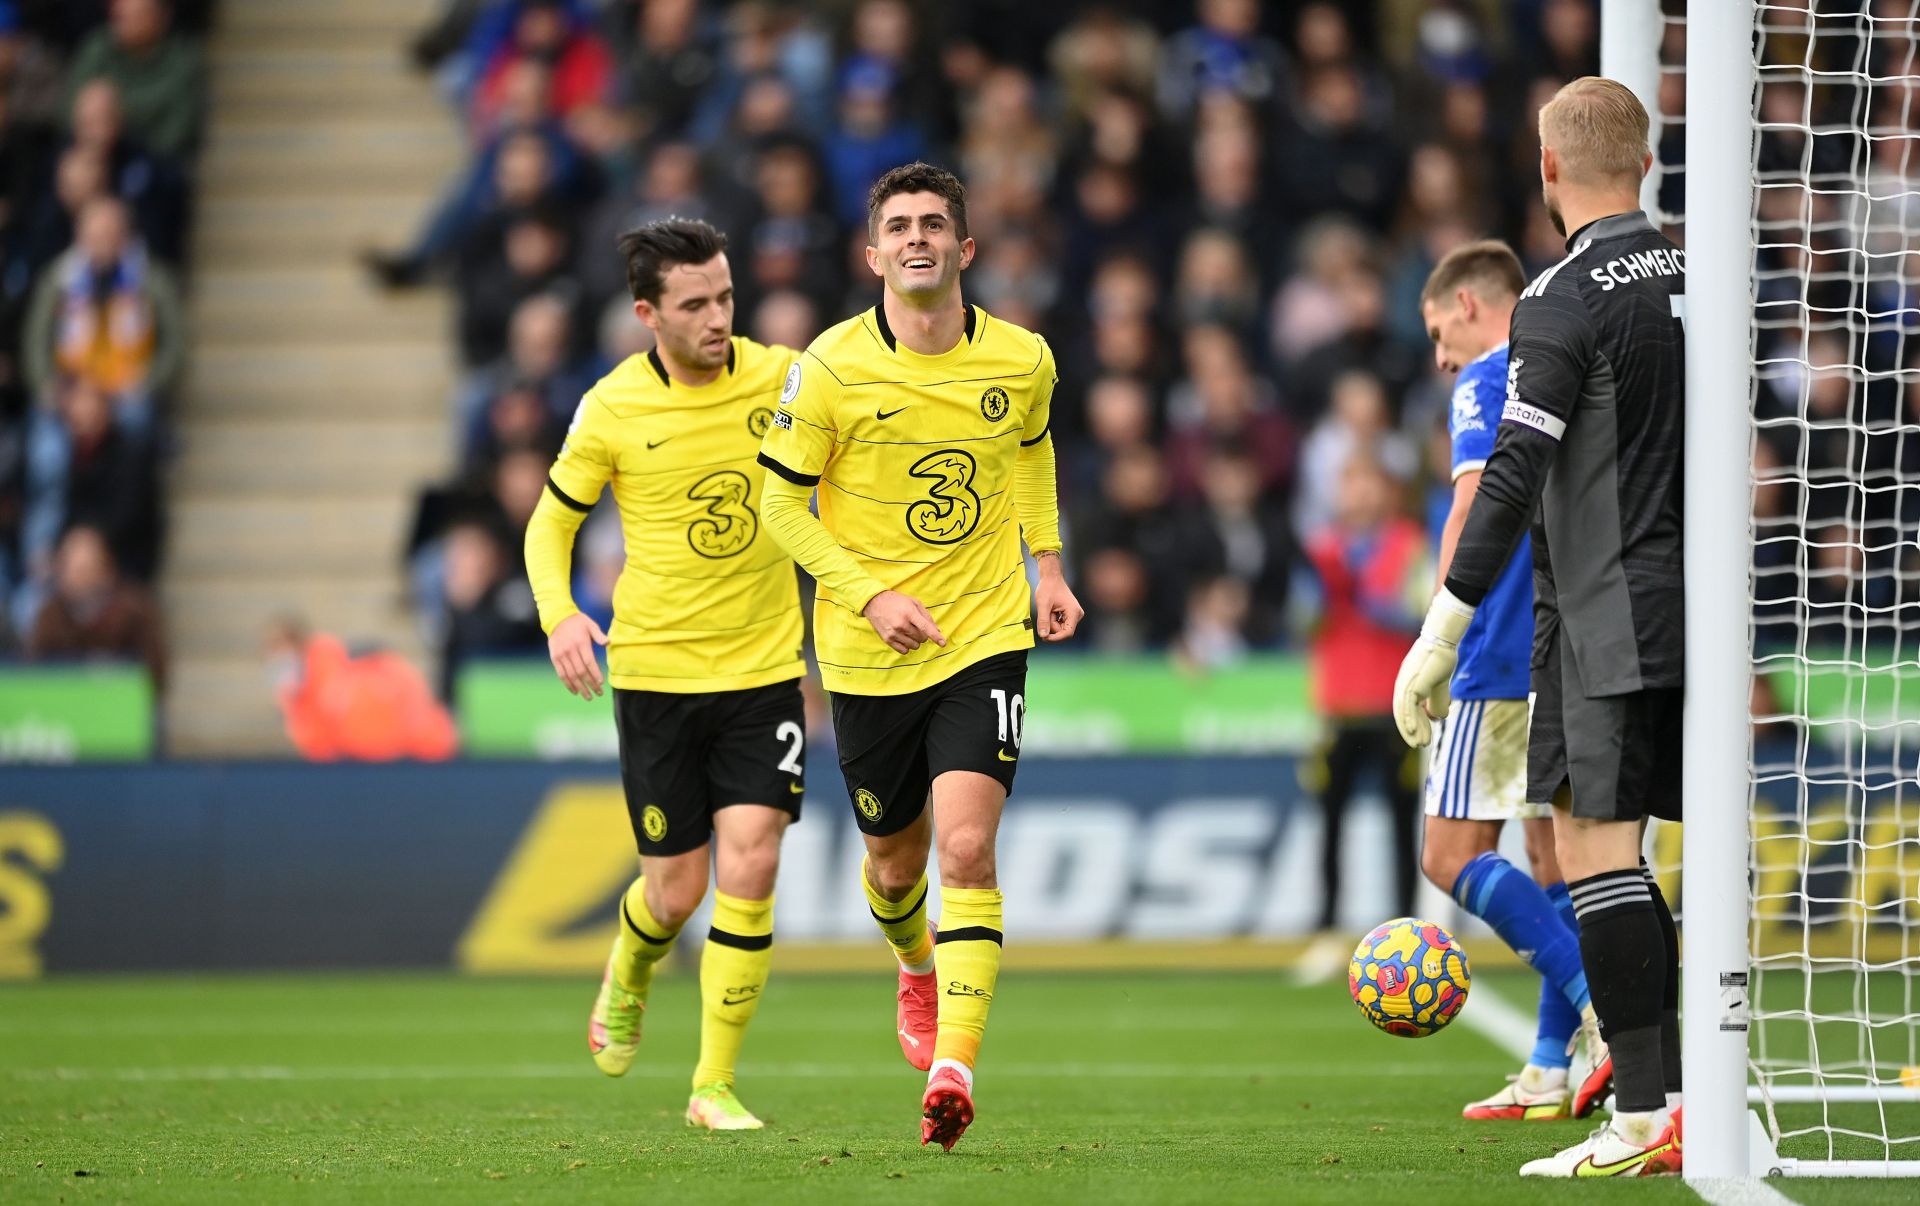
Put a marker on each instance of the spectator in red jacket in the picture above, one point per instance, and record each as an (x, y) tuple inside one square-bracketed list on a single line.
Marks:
[(1369, 572), (580, 65), (340, 706)]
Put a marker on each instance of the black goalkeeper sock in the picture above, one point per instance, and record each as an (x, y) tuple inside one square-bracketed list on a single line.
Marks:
[(1625, 956), (1670, 1002)]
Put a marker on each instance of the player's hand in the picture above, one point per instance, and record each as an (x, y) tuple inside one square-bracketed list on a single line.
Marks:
[(571, 648), (1057, 614), (901, 622), (1422, 690)]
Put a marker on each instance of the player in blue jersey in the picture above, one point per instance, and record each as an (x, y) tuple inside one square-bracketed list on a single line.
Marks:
[(1477, 780)]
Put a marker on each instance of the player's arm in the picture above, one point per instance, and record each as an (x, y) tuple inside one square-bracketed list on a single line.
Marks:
[(1465, 486), (582, 469), (1472, 443), (794, 453), (1036, 501), (1549, 350)]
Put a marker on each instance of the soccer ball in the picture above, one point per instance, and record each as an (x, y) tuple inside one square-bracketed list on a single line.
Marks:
[(1409, 977)]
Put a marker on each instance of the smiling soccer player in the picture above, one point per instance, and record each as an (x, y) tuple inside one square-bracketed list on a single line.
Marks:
[(923, 422)]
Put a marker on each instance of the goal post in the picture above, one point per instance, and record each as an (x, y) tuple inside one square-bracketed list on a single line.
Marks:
[(1715, 838), (1796, 877)]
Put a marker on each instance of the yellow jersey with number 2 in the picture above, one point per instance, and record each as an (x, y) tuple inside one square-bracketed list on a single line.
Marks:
[(914, 457), (707, 601)]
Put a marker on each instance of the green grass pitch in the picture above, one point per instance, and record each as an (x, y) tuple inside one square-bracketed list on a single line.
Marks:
[(1153, 1087)]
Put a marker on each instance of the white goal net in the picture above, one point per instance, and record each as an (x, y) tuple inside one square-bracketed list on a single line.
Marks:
[(1835, 874), (1833, 877)]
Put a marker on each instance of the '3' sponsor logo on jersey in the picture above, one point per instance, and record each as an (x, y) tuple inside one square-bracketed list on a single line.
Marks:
[(729, 524), (951, 509)]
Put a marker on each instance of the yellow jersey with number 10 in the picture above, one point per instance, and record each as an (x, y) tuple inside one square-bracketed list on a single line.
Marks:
[(707, 601), (914, 458)]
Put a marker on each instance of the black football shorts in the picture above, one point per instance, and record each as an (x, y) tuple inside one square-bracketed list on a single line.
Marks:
[(892, 747), (1619, 755), (682, 756)]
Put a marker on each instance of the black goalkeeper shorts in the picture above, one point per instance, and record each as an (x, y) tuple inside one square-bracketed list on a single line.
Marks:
[(1619, 755)]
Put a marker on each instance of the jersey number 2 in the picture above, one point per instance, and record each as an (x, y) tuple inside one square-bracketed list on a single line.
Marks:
[(797, 746)]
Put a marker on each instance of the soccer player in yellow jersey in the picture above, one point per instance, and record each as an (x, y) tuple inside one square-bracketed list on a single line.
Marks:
[(704, 656), (923, 422)]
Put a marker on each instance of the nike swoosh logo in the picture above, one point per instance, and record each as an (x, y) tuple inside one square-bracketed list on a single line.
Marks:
[(1587, 1167), (884, 415), (795, 788), (653, 444), (1006, 757), (736, 1000)]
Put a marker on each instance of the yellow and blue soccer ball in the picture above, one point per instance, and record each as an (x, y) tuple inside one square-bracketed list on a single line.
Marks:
[(1409, 977)]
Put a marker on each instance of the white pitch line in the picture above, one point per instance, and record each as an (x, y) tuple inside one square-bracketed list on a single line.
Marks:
[(1497, 1020), (1739, 1191), (578, 1070)]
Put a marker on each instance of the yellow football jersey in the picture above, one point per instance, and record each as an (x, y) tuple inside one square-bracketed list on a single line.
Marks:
[(915, 457), (707, 601)]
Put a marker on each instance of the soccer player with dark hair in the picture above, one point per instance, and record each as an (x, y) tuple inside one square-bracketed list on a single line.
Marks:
[(923, 424), (704, 656), (1591, 440), (1477, 780)]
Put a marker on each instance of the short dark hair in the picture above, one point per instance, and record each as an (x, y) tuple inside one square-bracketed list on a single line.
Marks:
[(1488, 264), (655, 249), (918, 177)]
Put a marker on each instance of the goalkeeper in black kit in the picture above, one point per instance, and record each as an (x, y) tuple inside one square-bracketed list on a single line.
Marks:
[(1590, 451)]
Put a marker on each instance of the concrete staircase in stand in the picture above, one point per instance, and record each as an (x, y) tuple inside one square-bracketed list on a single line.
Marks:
[(316, 406)]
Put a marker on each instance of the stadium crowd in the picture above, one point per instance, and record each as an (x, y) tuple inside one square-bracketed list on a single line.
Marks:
[(1220, 215), (101, 110)]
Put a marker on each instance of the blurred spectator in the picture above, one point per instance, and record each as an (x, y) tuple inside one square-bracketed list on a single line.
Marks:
[(49, 219), (489, 606), (516, 256), (670, 61), (786, 318), (869, 138), (1237, 534), (539, 355), (517, 419), (526, 166), (1222, 404), (1103, 53), (1357, 424), (345, 707), (668, 185), (558, 36), (793, 242), (1339, 161), (150, 184), (106, 313), (1224, 53), (1214, 635), (1309, 311), (93, 469), (1369, 577), (159, 73), (92, 612)]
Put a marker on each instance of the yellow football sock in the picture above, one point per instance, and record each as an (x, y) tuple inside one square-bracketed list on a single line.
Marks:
[(642, 941), (904, 922), (733, 973), (967, 957)]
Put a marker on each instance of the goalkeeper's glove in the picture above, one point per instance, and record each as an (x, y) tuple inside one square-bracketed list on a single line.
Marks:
[(1422, 688)]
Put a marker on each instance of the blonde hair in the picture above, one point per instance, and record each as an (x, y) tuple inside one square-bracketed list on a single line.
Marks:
[(1488, 267), (1598, 128)]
